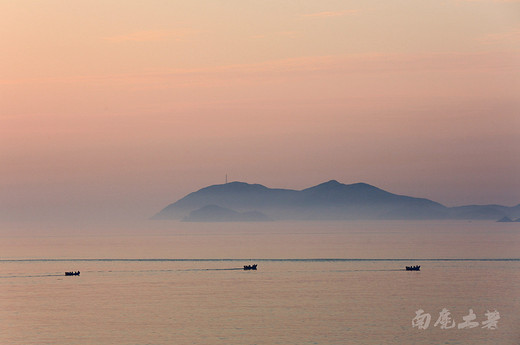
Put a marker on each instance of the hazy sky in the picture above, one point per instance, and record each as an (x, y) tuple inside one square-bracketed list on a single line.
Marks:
[(117, 108)]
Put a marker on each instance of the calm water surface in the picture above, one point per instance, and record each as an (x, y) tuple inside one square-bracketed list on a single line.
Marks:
[(181, 283)]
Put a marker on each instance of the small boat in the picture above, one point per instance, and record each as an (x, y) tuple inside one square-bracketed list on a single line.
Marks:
[(72, 273), (250, 267), (413, 268)]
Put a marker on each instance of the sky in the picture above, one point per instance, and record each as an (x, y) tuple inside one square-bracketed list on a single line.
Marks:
[(114, 109)]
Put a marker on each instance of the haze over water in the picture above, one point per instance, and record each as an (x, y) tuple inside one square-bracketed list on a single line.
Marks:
[(183, 283)]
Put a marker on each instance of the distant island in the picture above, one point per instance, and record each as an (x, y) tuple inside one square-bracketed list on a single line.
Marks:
[(332, 200), (506, 219)]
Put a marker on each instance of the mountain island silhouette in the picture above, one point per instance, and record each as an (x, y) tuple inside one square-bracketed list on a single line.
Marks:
[(332, 200)]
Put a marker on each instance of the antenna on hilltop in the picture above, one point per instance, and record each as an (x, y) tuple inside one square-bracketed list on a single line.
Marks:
[(226, 178)]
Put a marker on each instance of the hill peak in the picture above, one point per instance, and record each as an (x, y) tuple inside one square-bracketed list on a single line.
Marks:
[(332, 183), (235, 186), (328, 185)]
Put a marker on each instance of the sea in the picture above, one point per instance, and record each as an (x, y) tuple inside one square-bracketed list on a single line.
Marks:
[(163, 282)]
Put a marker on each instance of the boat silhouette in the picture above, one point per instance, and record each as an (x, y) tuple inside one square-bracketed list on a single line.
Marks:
[(72, 273), (413, 268)]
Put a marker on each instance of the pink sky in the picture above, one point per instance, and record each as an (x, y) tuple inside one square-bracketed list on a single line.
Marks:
[(119, 108)]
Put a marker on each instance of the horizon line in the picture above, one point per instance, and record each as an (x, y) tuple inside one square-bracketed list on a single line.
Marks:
[(255, 259)]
